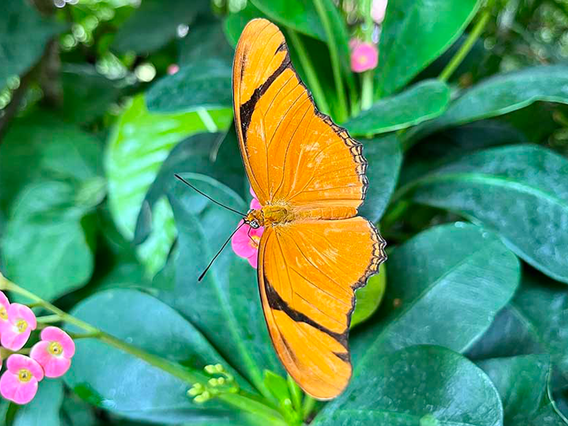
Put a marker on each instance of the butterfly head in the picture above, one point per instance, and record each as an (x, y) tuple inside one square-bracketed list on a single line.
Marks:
[(254, 218)]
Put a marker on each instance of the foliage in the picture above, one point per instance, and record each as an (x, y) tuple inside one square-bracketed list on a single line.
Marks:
[(464, 124)]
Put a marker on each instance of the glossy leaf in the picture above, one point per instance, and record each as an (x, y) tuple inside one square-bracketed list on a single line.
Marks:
[(204, 41), (44, 408), (504, 93), (152, 25), (226, 304), (24, 34), (369, 297), (203, 84), (533, 323), (45, 238), (235, 22), (419, 385), (41, 146), (522, 383), (521, 192), (300, 15), (385, 158), (124, 384), (136, 149), (414, 34), (421, 102)]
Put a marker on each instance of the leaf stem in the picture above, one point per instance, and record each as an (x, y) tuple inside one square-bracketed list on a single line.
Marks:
[(242, 400), (308, 68), (467, 45), (308, 406), (335, 62)]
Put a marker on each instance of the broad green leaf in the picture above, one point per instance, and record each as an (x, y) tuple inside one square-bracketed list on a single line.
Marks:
[(139, 144), (533, 323), (505, 93), (418, 386), (520, 192), (369, 297), (46, 247), (44, 408), (203, 84), (441, 291), (205, 41), (299, 15), (86, 93), (421, 102), (414, 34), (235, 22), (152, 25), (522, 383), (119, 382), (41, 146), (385, 158), (225, 305), (198, 154), (24, 34)]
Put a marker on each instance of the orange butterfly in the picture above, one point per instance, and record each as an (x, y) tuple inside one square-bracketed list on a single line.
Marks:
[(309, 176)]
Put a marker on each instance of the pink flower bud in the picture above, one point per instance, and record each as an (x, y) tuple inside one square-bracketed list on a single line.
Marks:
[(364, 56), (378, 10)]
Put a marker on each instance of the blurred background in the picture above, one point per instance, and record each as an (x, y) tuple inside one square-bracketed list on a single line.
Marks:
[(102, 101)]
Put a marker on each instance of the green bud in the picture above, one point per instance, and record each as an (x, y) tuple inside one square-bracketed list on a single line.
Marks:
[(213, 382), (221, 381), (210, 369)]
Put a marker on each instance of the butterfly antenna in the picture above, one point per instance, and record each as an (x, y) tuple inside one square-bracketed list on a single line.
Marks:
[(219, 252), (208, 197)]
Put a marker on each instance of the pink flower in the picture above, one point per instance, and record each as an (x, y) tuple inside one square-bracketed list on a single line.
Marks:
[(19, 383), (378, 9), (364, 56), (54, 352), (173, 69), (4, 305), (246, 240), (17, 330)]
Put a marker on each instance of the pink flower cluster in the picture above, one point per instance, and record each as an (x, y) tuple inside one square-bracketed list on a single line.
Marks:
[(246, 240), (50, 357)]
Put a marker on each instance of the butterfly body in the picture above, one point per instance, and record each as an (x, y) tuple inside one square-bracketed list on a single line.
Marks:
[(309, 177)]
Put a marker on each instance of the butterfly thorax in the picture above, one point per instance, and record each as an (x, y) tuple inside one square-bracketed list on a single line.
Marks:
[(267, 216)]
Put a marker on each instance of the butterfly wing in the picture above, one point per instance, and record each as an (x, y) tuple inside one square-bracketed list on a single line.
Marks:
[(308, 271), (291, 151)]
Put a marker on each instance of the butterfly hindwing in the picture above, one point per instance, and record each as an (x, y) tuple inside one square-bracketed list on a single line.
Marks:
[(307, 276)]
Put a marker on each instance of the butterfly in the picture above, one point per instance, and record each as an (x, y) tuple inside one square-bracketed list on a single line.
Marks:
[(309, 177)]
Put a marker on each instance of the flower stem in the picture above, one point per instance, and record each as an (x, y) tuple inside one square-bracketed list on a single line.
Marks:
[(368, 76), (242, 400), (308, 407), (308, 68), (335, 62), (468, 44), (48, 319)]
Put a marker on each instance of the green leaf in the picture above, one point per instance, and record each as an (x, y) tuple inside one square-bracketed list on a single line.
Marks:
[(504, 93), (418, 386), (421, 102), (205, 41), (152, 25), (414, 34), (139, 144), (198, 154), (369, 297), (441, 291), (385, 158), (235, 22), (86, 93), (41, 146), (203, 84), (522, 383), (119, 382), (44, 408), (45, 239), (299, 15), (520, 191), (24, 33), (225, 305), (533, 323)]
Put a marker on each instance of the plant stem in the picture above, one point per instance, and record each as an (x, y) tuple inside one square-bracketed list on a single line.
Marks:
[(308, 407), (468, 44), (242, 400), (335, 62), (48, 319), (368, 76), (311, 75)]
